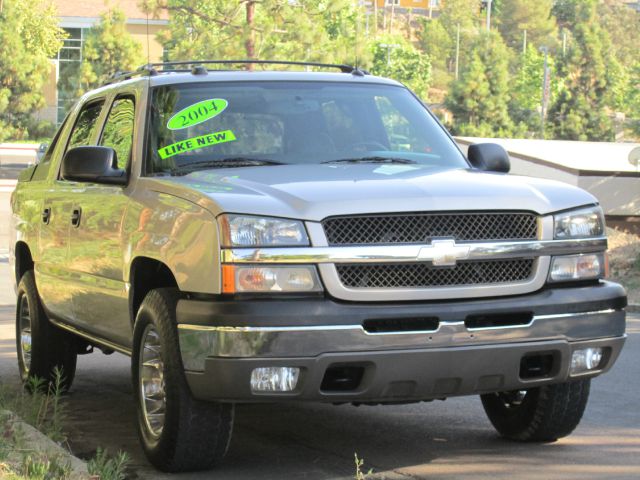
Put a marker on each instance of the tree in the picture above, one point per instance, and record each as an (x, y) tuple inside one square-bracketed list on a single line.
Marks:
[(268, 29), (436, 42), (395, 57), (535, 17), (580, 111), (29, 36), (526, 92), (109, 48), (479, 99)]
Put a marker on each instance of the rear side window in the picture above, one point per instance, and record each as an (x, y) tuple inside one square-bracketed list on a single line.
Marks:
[(118, 130), (85, 126)]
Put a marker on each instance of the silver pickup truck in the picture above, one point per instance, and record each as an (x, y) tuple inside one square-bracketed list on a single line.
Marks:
[(292, 236)]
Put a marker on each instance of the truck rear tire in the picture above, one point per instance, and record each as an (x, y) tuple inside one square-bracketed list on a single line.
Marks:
[(178, 433), (42, 348), (541, 414)]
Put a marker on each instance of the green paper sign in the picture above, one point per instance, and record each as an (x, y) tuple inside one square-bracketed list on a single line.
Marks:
[(197, 113), (196, 143)]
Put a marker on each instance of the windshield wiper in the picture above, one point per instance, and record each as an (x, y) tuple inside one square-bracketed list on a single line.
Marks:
[(231, 162), (376, 159)]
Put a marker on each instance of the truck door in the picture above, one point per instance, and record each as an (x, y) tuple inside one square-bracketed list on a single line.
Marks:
[(96, 255)]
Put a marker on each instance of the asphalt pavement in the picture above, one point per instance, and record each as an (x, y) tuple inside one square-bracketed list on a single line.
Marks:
[(450, 439)]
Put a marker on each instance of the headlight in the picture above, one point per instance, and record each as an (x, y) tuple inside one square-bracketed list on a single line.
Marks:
[(567, 268), (587, 222), (247, 231), (258, 278)]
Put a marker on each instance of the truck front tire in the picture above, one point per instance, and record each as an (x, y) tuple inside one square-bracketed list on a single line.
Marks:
[(42, 348), (178, 433), (541, 414)]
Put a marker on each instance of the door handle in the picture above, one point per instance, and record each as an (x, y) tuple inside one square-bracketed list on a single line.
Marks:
[(46, 215), (75, 217)]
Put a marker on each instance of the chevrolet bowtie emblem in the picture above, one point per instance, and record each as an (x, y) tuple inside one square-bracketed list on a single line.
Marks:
[(444, 253)]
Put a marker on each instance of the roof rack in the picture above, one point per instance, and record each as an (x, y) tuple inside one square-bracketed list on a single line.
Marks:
[(197, 67)]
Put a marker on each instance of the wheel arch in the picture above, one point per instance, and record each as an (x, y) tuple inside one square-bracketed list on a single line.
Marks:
[(23, 260), (146, 274)]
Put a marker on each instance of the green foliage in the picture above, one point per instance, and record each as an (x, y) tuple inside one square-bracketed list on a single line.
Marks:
[(526, 92), (534, 17), (37, 466), (479, 99), (396, 58), (436, 42), (107, 467), (29, 35), (269, 29), (109, 48), (360, 475), (38, 405), (580, 110)]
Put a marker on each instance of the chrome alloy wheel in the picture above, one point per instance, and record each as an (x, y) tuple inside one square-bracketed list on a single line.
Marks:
[(151, 381), (24, 327)]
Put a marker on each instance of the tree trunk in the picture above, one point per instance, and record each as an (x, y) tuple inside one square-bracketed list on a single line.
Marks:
[(249, 43)]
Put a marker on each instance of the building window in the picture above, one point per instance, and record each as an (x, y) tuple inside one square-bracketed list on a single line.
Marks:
[(69, 59), (392, 2)]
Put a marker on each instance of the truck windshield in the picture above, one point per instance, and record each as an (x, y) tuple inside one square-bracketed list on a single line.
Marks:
[(215, 125)]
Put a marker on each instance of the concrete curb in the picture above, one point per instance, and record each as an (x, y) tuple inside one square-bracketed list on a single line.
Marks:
[(38, 442), (633, 308)]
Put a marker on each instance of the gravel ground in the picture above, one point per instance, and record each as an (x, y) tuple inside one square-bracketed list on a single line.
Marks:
[(624, 259)]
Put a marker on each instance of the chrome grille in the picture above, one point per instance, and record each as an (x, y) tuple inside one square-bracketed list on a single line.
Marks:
[(422, 227), (420, 275)]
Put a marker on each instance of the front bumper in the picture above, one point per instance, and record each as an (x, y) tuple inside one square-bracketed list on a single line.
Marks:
[(223, 341)]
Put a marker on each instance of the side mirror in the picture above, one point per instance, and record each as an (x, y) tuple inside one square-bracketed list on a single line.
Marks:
[(93, 164), (489, 157)]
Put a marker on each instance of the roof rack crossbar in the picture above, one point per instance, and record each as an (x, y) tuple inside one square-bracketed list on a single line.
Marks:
[(342, 67), (151, 69)]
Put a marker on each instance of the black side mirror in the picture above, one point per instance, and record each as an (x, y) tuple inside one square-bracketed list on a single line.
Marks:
[(489, 157), (93, 164)]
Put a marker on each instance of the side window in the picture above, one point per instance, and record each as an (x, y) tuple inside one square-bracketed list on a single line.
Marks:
[(118, 129), (85, 125)]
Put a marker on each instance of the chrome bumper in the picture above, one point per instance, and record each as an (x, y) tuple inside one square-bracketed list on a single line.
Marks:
[(199, 342)]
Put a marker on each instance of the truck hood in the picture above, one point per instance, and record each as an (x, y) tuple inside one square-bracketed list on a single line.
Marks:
[(313, 192)]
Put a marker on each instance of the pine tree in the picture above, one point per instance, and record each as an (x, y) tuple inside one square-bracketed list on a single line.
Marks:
[(269, 29), (29, 36), (526, 91), (535, 17), (396, 58), (581, 110), (109, 48), (479, 99)]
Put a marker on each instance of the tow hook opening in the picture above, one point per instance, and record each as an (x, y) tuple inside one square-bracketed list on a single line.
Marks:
[(539, 365), (342, 378)]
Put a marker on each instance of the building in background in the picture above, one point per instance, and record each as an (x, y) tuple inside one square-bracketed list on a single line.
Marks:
[(76, 17), (430, 8)]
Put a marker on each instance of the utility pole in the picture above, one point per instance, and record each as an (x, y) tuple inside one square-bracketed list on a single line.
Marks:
[(524, 42), (545, 90), (393, 9), (457, 49), (489, 15)]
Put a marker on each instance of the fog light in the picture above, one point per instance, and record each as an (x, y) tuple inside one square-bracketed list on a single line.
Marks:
[(274, 379), (585, 360)]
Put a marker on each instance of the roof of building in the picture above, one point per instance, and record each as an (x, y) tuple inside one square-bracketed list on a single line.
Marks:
[(93, 8)]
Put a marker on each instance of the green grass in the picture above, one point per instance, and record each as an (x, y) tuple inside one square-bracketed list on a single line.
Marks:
[(109, 467)]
